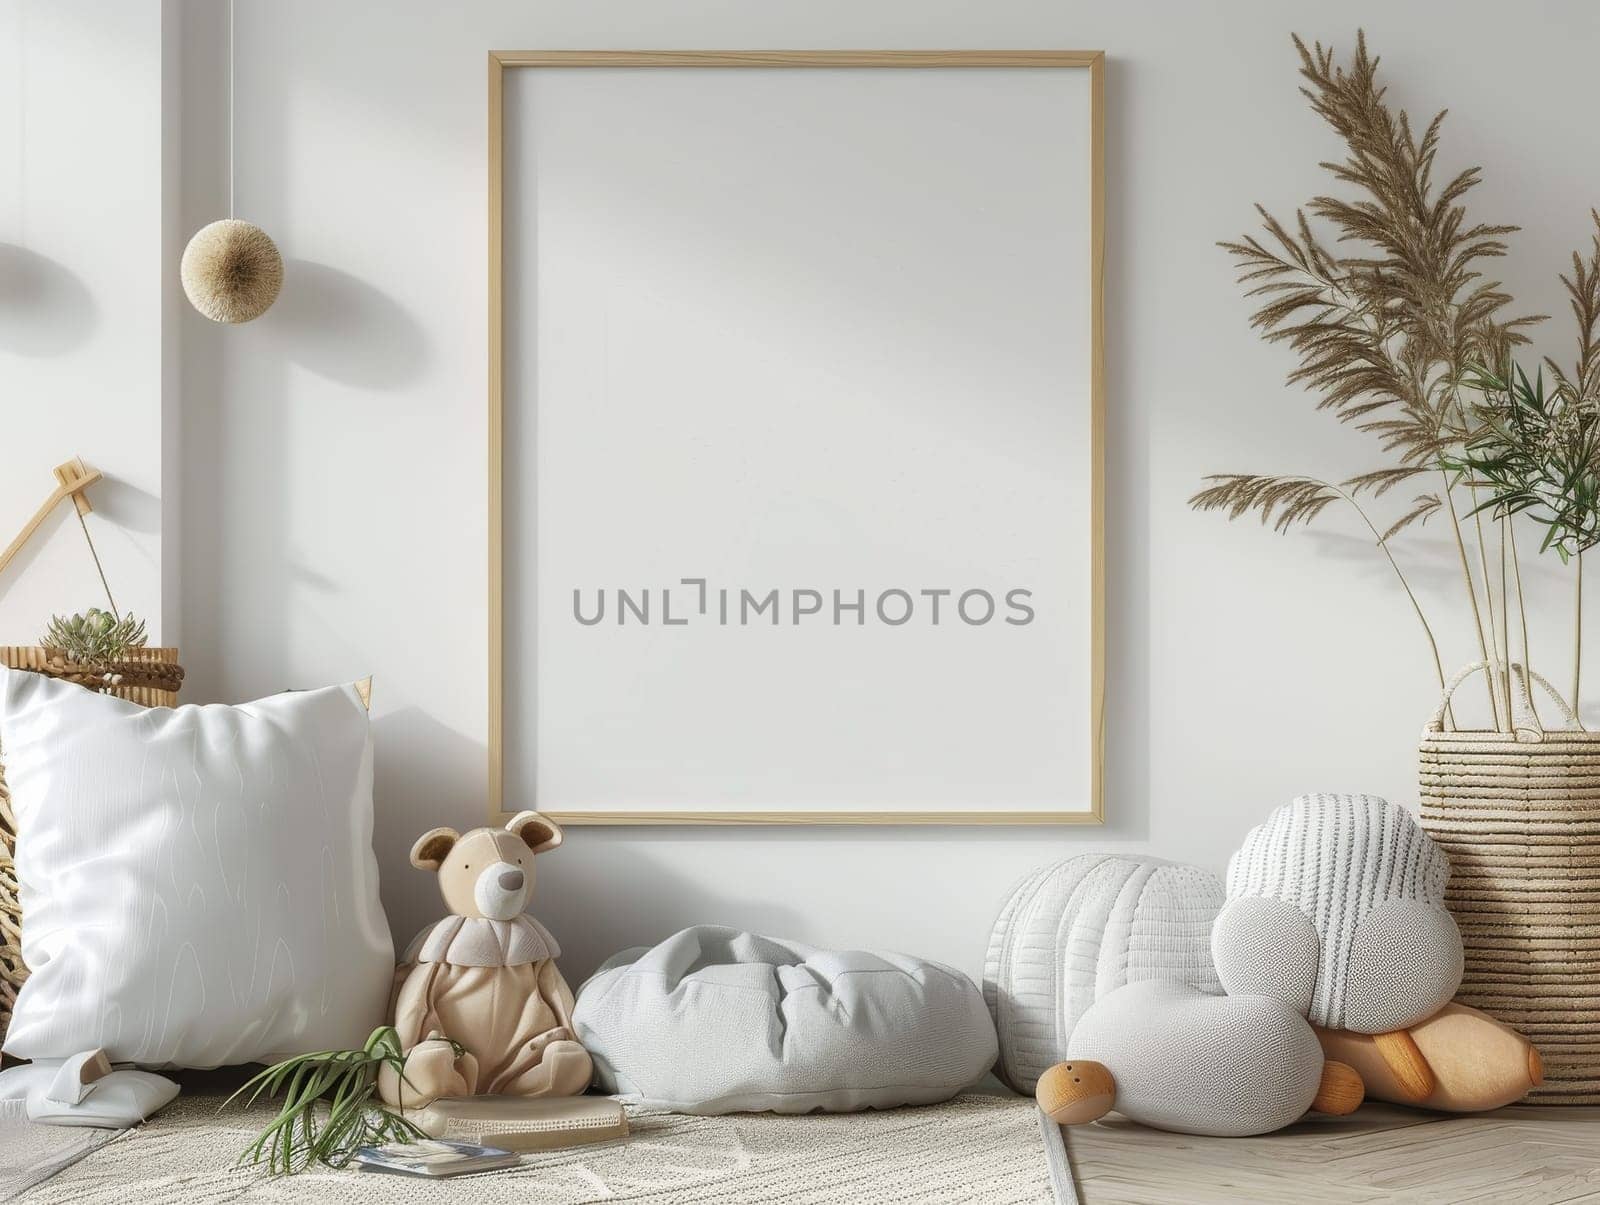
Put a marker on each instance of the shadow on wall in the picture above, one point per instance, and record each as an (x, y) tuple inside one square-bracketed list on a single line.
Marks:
[(602, 896), (45, 310), (598, 896), (127, 506), (342, 328), (426, 776), (42, 538), (1127, 511)]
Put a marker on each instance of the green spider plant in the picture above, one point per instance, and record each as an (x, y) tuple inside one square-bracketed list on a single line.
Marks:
[(329, 1110)]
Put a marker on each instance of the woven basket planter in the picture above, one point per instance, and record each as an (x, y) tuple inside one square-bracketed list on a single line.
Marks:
[(1519, 816), (151, 678)]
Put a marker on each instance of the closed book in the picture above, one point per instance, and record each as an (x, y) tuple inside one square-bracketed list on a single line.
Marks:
[(520, 1123), (433, 1157)]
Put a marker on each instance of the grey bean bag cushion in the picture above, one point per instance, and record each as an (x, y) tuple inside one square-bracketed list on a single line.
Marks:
[(715, 1020)]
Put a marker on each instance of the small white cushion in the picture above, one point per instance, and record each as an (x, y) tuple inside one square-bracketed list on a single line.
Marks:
[(198, 885), (714, 1020), (126, 1097)]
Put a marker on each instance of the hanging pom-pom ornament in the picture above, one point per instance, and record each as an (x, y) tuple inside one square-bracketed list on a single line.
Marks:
[(231, 271)]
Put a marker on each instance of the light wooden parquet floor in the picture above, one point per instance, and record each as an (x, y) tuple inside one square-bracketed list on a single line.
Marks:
[(1380, 1153)]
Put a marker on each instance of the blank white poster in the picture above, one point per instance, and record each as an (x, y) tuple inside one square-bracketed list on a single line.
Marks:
[(798, 440)]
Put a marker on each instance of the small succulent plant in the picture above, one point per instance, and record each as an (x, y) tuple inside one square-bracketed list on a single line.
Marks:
[(94, 637)]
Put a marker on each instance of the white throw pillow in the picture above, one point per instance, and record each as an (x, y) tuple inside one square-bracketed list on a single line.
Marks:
[(198, 884)]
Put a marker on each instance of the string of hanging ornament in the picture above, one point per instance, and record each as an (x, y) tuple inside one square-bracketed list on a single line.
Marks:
[(231, 269)]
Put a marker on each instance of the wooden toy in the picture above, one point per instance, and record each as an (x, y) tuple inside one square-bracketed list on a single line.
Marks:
[(1076, 1092), (1459, 1060), (1082, 1091)]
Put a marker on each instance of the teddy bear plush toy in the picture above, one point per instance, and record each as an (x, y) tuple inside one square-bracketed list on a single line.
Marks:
[(484, 978)]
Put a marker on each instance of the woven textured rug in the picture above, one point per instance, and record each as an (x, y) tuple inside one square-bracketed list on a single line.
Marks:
[(980, 1149), (31, 1154)]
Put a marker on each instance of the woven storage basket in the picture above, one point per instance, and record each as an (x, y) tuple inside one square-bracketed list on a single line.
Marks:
[(1519, 816), (150, 677)]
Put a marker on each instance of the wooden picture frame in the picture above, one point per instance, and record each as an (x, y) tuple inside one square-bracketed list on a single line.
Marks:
[(502, 62)]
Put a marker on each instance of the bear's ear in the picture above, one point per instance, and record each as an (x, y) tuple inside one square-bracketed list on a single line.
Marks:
[(433, 847), (540, 832)]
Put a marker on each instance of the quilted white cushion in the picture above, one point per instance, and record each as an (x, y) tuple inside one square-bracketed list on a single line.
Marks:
[(198, 884), (1078, 930), (715, 1020)]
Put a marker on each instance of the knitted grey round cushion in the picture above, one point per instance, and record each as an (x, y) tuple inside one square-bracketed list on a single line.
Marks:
[(1269, 948), (1200, 1064), (716, 1020), (1079, 929), (1404, 956), (1336, 906)]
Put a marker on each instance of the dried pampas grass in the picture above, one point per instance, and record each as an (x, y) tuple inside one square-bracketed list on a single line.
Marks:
[(231, 271)]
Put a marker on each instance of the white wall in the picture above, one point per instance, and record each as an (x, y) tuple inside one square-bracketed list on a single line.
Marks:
[(333, 518), (82, 353)]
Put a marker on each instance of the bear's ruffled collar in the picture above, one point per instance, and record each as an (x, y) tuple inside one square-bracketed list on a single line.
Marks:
[(478, 942)]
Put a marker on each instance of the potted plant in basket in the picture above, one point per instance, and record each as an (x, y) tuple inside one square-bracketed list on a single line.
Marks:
[(1382, 294)]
